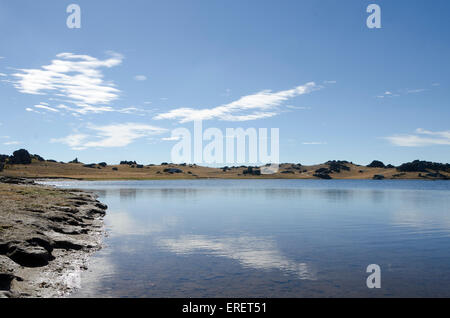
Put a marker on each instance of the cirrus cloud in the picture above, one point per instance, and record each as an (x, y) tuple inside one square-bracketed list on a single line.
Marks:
[(109, 136), (421, 138), (251, 107), (76, 78)]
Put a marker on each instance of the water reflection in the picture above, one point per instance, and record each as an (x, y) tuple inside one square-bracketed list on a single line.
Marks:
[(254, 252), (285, 238)]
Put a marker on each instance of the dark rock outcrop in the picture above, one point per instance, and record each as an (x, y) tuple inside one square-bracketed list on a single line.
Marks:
[(37, 157), (103, 164), (173, 170), (376, 164), (423, 166), (338, 165), (322, 175), (20, 157), (124, 162), (252, 171), (378, 177), (29, 255)]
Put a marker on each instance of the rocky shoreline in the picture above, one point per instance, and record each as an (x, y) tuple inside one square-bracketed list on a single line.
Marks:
[(46, 237)]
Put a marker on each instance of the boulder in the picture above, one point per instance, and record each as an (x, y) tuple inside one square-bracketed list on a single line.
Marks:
[(124, 162), (322, 175), (423, 166), (102, 164), (376, 164), (338, 165), (37, 157), (2, 166), (252, 171), (29, 255), (378, 177), (173, 170), (115, 169), (20, 157), (74, 161)]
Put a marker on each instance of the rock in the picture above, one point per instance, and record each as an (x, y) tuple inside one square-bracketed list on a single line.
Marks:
[(337, 165), (128, 162), (74, 161), (322, 175), (164, 164), (29, 255), (378, 177), (37, 157), (173, 170), (67, 245), (115, 169), (423, 166), (288, 171), (139, 166), (389, 166), (4, 158), (2, 166), (103, 164), (21, 157), (323, 171), (14, 180), (5, 281), (252, 171), (91, 165), (376, 164)]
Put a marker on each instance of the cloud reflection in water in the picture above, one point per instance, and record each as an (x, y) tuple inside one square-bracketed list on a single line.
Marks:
[(253, 252)]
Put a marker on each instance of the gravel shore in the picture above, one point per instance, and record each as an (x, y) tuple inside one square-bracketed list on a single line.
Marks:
[(46, 237)]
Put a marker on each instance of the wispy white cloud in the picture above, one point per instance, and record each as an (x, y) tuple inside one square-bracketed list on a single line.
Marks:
[(109, 136), (250, 107), (77, 78), (415, 91), (140, 77), (298, 107), (329, 82), (45, 107), (11, 143), (173, 138), (314, 143), (421, 138)]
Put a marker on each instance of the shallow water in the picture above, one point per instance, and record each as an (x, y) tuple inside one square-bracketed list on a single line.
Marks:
[(270, 238)]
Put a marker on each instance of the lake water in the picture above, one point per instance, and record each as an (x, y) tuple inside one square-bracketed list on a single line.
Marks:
[(270, 238)]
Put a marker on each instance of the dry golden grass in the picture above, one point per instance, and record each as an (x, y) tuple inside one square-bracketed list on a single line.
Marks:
[(126, 172)]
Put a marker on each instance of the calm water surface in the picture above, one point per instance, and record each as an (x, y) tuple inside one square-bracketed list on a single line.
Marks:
[(270, 238)]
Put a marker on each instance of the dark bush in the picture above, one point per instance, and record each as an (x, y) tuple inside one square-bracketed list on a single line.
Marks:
[(102, 164)]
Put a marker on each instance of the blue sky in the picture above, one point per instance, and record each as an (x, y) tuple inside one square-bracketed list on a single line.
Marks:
[(114, 89)]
